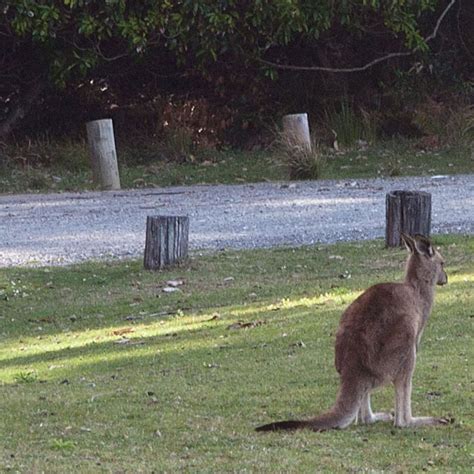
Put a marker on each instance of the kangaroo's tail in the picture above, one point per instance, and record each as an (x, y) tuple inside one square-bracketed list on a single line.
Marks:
[(340, 415), (285, 425)]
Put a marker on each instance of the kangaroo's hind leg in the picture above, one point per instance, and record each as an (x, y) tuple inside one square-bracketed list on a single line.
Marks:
[(403, 389), (367, 416)]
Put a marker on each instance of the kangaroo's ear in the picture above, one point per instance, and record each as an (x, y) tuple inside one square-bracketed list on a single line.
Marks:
[(423, 245), (409, 242)]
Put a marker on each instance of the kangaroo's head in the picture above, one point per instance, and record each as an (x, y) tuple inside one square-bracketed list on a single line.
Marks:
[(425, 263)]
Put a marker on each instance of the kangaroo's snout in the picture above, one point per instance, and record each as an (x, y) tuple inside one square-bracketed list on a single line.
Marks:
[(443, 279)]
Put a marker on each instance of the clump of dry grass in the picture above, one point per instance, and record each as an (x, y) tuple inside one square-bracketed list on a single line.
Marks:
[(300, 161), (453, 124)]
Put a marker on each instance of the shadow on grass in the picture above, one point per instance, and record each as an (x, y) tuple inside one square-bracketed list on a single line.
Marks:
[(198, 335), (187, 335)]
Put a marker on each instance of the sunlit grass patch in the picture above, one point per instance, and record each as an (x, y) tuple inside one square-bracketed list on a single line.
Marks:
[(102, 370)]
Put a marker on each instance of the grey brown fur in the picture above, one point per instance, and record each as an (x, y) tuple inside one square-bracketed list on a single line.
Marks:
[(377, 343)]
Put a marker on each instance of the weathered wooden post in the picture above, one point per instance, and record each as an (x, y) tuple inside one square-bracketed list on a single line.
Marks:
[(100, 136), (296, 129), (166, 241), (407, 212)]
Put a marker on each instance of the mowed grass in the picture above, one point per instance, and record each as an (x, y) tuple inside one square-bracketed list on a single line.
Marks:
[(69, 168), (103, 371), (399, 158)]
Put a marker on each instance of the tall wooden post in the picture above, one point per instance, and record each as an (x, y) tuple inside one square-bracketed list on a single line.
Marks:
[(166, 241), (100, 136), (407, 212), (296, 129)]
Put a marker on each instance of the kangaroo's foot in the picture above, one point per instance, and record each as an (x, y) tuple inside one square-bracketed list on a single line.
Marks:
[(422, 421), (382, 416), (373, 417)]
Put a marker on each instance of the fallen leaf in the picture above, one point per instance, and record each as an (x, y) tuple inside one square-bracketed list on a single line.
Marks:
[(48, 320), (162, 313), (433, 395), (212, 366), (243, 325), (131, 342), (170, 289), (120, 332), (122, 341), (132, 318), (152, 400), (345, 275), (299, 344)]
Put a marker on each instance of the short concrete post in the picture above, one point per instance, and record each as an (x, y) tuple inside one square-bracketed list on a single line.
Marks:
[(296, 129), (166, 241), (407, 212), (100, 136)]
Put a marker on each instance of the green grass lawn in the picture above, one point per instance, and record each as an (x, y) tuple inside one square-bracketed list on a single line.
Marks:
[(103, 371), (71, 170)]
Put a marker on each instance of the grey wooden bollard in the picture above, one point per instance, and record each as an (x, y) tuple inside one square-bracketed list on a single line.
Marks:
[(296, 129), (166, 241), (407, 212), (100, 136)]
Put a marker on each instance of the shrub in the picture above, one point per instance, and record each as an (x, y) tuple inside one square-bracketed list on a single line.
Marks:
[(178, 144), (452, 124), (42, 151), (348, 127)]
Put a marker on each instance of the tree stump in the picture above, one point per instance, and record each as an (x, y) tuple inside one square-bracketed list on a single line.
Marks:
[(407, 212), (100, 136), (296, 130), (166, 241)]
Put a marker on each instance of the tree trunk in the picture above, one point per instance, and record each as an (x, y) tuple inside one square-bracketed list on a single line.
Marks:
[(296, 130), (100, 136), (18, 111), (407, 212), (166, 241)]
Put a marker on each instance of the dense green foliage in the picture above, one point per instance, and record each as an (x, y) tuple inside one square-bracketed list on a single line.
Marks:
[(71, 37), (81, 57)]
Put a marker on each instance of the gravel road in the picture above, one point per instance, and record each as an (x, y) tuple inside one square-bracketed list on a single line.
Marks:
[(58, 229)]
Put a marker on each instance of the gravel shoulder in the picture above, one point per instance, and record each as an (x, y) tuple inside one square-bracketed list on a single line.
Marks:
[(60, 229)]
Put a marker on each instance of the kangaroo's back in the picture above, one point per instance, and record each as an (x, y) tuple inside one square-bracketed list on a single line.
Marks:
[(380, 323)]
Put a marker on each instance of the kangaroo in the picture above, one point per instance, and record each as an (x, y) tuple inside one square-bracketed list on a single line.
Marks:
[(376, 343)]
